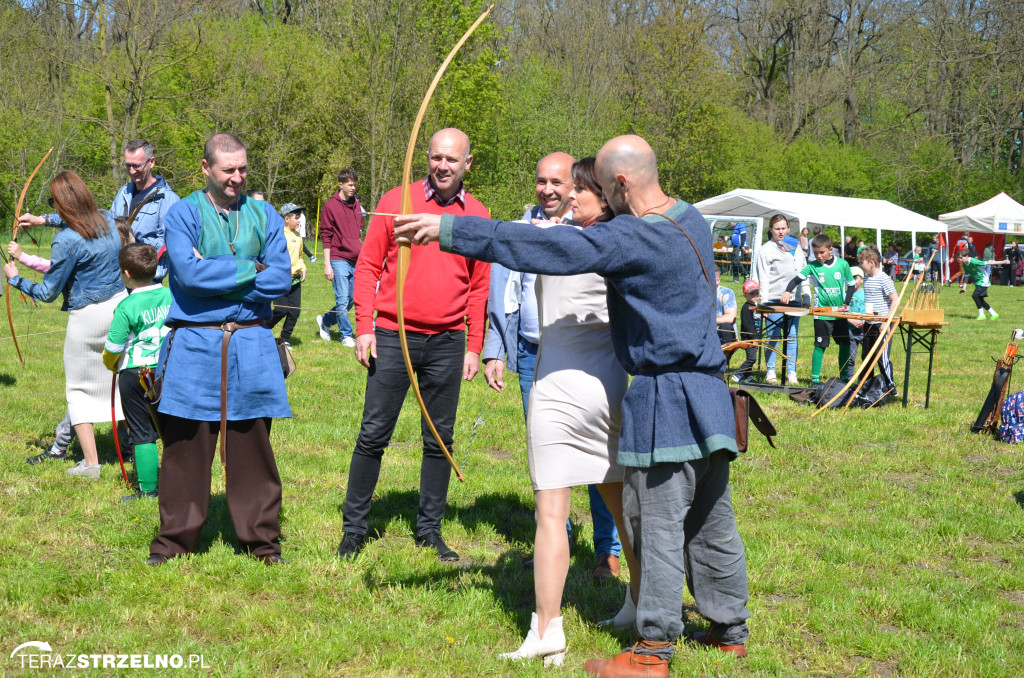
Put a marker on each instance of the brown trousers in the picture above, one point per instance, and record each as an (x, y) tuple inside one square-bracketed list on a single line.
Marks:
[(253, 485)]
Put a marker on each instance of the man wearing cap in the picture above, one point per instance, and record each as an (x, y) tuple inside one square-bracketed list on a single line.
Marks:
[(750, 330), (289, 305), (341, 224), (856, 326)]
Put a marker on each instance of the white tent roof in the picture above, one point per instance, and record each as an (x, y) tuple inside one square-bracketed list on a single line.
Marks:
[(810, 209), (1000, 214)]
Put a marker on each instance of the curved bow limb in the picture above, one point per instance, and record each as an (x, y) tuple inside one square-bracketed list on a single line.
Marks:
[(405, 251), (14, 236)]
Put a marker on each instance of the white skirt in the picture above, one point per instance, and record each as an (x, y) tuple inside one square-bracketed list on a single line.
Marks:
[(87, 382)]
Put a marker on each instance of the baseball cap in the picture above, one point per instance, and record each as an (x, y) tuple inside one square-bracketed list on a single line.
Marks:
[(288, 208), (857, 270), (750, 286)]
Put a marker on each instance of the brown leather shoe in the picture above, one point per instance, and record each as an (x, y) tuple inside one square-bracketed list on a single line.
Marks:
[(704, 638), (628, 664), (607, 567)]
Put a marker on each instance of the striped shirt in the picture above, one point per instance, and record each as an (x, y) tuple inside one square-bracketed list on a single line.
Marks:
[(877, 289)]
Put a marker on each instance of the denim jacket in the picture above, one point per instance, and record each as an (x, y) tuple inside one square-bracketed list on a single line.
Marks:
[(84, 271)]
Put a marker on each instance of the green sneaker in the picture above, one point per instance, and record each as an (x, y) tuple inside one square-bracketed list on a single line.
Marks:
[(995, 316)]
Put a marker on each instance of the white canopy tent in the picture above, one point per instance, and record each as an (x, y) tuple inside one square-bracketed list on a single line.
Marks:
[(1001, 215), (808, 209)]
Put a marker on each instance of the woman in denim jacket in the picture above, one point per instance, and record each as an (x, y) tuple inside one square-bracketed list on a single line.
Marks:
[(84, 269)]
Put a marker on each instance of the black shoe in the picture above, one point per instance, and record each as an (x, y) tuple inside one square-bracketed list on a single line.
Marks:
[(140, 495), (156, 560), (434, 541), (272, 559), (46, 456), (350, 546)]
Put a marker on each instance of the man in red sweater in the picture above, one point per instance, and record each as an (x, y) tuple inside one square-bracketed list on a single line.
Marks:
[(341, 224), (445, 308)]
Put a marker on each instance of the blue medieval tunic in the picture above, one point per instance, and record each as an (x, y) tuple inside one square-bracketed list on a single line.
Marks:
[(662, 312), (222, 287)]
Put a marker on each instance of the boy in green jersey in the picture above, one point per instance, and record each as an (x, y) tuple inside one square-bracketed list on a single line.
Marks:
[(136, 333), (980, 272), (835, 287)]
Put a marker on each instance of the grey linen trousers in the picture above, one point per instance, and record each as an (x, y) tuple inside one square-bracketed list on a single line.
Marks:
[(680, 521)]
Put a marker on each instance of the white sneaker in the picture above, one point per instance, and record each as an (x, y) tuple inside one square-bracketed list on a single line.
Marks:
[(91, 471), (735, 378), (324, 333), (348, 342), (626, 617), (551, 647), (770, 378), (792, 380)]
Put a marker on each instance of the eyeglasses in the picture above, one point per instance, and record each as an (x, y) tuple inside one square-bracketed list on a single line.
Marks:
[(136, 165)]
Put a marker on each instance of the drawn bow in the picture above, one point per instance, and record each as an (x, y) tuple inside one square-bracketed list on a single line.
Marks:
[(14, 236), (405, 251)]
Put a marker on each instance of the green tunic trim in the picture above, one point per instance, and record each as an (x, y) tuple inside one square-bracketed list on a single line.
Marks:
[(683, 453)]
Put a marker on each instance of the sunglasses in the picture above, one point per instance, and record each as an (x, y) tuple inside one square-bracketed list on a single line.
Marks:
[(136, 165)]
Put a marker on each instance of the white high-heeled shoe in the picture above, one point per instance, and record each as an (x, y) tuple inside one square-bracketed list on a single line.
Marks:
[(626, 617), (551, 647)]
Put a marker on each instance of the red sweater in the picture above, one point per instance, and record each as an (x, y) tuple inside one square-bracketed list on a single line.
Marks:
[(340, 227), (443, 291)]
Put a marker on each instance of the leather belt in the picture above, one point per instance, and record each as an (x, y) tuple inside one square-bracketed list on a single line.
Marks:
[(228, 329)]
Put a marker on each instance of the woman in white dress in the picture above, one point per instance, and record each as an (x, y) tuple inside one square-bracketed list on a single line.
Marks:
[(574, 418)]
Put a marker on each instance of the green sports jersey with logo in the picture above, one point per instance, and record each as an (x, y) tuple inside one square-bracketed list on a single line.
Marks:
[(831, 280), (979, 271), (138, 326)]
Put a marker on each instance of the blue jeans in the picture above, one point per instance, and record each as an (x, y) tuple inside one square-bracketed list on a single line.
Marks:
[(776, 322), (527, 357), (606, 537), (344, 273)]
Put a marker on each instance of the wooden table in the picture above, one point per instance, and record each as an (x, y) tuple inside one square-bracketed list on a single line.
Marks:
[(925, 335)]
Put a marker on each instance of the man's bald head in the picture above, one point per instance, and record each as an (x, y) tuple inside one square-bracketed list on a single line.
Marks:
[(625, 165), (554, 183), (448, 159), (450, 138)]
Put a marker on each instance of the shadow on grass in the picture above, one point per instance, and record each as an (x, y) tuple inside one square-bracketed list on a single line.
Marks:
[(8, 380), (511, 582), (1019, 496), (507, 513)]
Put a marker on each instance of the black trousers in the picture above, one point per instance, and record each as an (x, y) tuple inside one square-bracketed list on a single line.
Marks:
[(253, 485), (437, 361), (136, 411), (747, 367), (288, 306), (980, 292)]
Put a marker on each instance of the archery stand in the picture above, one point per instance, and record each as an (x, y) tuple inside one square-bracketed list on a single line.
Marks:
[(920, 324)]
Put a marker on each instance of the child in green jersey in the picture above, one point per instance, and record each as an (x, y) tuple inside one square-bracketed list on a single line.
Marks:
[(136, 333), (981, 272), (835, 287)]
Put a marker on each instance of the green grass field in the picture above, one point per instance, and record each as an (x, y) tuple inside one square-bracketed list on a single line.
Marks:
[(880, 542)]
